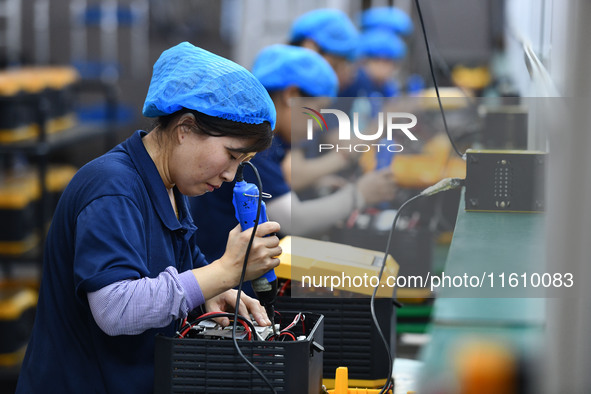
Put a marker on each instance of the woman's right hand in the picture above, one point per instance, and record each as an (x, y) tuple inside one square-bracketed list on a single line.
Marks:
[(377, 186), (263, 255), (224, 273)]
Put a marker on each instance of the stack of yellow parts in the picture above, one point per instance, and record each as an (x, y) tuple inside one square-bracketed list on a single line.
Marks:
[(20, 91), (419, 171)]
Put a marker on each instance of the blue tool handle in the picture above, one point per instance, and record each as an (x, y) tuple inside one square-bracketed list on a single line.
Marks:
[(245, 200)]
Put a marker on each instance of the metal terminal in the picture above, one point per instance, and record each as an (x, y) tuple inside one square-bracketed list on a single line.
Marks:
[(503, 162), (265, 195)]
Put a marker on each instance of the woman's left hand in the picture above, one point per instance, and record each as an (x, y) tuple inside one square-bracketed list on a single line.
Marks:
[(225, 302)]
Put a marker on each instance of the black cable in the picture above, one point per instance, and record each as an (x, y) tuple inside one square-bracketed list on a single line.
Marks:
[(234, 326), (435, 80), (375, 290), (441, 186)]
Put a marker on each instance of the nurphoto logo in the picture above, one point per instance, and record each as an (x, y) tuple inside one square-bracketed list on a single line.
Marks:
[(396, 122)]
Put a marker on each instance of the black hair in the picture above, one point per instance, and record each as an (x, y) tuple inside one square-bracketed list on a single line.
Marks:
[(218, 127), (300, 42)]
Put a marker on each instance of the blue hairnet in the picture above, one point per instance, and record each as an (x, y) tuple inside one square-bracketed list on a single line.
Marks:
[(281, 66), (331, 29), (382, 44), (189, 77), (390, 18)]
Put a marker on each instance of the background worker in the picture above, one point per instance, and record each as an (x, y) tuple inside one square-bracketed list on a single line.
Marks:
[(392, 19), (395, 21), (330, 33), (121, 263), (379, 55), (289, 72)]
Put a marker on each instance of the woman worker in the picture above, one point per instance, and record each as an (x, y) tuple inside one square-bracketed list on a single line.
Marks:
[(121, 263)]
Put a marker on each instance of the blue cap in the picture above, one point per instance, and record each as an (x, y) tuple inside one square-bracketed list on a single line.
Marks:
[(186, 76), (281, 66), (390, 18), (331, 29), (381, 44)]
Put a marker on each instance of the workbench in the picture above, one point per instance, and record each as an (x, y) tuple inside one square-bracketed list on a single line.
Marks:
[(488, 244)]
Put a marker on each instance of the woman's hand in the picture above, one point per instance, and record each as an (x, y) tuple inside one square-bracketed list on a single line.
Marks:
[(224, 273), (248, 306), (263, 253), (377, 186)]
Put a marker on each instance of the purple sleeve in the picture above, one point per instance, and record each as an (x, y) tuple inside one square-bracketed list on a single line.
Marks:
[(130, 307)]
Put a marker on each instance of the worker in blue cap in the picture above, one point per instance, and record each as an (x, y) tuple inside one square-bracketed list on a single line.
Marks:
[(331, 33), (290, 72), (395, 21), (379, 56), (121, 264), (392, 19)]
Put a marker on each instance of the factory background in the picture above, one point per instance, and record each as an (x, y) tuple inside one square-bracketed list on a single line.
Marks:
[(530, 48)]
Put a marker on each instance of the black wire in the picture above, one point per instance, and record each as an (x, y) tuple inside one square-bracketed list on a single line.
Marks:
[(234, 326), (435, 79), (375, 290)]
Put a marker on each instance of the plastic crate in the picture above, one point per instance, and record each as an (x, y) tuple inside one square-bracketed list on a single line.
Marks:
[(190, 365), (351, 338)]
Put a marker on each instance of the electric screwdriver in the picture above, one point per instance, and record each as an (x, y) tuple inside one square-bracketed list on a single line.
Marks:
[(245, 201)]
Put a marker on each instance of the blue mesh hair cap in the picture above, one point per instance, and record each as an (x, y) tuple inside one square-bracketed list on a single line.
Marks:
[(186, 76), (281, 66), (390, 18), (381, 44), (331, 29)]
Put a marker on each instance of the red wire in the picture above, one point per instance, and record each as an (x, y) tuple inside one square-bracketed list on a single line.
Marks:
[(249, 332), (303, 325), (287, 333), (284, 287)]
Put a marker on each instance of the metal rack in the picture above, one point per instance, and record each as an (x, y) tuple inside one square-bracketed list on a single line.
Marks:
[(41, 148)]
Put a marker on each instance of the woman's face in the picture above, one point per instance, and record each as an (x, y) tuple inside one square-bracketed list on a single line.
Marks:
[(200, 163)]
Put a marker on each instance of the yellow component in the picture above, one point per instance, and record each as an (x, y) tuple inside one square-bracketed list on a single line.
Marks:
[(311, 261), (8, 86), (15, 248), (22, 133), (60, 124), (419, 171), (413, 296), (31, 131), (486, 367), (508, 151), (451, 98), (444, 238), (342, 384), (376, 383), (17, 192), (367, 161), (58, 177), (59, 77), (36, 79), (30, 80), (471, 78), (13, 302), (13, 359)]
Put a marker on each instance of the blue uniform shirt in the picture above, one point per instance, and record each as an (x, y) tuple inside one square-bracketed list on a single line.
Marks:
[(363, 86), (113, 222), (214, 213)]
